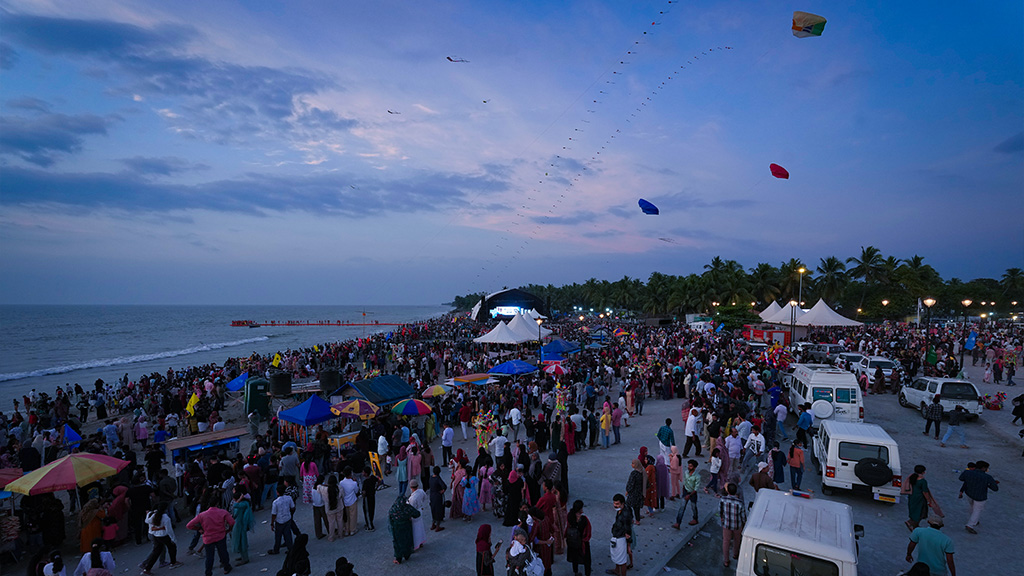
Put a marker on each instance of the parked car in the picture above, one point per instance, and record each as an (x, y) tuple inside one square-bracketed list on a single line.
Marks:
[(793, 534), (951, 392), (859, 457), (847, 360), (868, 364), (824, 353)]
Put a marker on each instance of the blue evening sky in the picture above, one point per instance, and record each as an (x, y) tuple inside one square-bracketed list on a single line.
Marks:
[(260, 152)]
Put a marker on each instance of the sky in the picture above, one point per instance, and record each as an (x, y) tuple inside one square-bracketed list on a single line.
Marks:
[(324, 152)]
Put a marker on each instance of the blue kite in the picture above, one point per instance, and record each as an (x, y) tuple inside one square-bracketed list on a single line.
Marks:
[(648, 208)]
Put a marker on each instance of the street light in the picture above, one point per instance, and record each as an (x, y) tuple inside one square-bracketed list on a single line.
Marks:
[(792, 319), (966, 302), (800, 295), (929, 302), (539, 340)]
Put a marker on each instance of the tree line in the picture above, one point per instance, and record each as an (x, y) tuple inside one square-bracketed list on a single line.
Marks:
[(868, 286)]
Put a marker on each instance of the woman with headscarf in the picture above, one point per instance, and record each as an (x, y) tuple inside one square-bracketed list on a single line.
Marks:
[(402, 470), (486, 489), (513, 498), (569, 436), (635, 490), (458, 490), (484, 553), (542, 537), (415, 466), (118, 512), (650, 486), (724, 474), (90, 521), (421, 502), (296, 562), (400, 523), (470, 495), (577, 539), (662, 472), (559, 518), (675, 471), (518, 556), (241, 511)]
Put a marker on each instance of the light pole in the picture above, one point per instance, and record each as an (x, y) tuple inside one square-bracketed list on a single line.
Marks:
[(966, 302), (800, 295), (792, 319), (929, 302), (540, 350), (885, 303)]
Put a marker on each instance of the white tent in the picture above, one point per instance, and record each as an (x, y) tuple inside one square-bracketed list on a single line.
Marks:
[(786, 315), (822, 315), (770, 311), (501, 334), (534, 314), (524, 327)]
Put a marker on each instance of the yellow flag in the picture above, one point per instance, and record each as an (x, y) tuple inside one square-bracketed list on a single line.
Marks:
[(191, 406), (316, 348), (277, 360)]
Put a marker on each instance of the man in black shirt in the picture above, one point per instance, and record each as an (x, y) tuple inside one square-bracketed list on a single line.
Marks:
[(139, 499)]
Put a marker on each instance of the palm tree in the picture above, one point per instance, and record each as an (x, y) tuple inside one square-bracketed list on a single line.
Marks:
[(790, 276), (868, 267), (833, 278), (764, 282), (1013, 282)]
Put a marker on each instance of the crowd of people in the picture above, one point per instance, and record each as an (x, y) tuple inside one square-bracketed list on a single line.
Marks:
[(525, 429)]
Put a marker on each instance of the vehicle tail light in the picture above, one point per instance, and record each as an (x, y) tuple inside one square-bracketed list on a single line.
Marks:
[(897, 481), (830, 471), (861, 411)]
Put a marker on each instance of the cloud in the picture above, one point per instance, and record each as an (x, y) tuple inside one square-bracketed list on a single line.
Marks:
[(40, 140), (29, 103), (8, 57), (1011, 145), (161, 166), (577, 218), (253, 194), (217, 101)]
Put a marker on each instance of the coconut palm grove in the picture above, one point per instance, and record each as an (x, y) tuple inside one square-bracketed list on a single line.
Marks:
[(868, 286)]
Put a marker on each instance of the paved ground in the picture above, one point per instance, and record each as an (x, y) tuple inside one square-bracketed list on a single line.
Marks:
[(996, 550), (598, 474)]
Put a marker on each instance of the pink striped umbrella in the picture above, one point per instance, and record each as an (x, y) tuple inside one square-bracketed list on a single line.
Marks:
[(67, 473)]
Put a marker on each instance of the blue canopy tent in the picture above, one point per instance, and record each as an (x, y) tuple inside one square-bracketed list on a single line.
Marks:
[(314, 411), (513, 368), (559, 346)]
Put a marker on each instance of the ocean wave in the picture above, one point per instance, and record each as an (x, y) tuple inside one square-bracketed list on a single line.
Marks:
[(121, 360)]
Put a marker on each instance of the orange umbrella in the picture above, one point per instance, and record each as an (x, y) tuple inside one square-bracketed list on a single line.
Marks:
[(67, 473)]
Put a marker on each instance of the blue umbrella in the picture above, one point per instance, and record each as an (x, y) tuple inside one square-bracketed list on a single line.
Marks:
[(513, 367)]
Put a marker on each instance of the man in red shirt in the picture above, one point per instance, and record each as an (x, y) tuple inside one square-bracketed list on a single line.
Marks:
[(215, 524), (465, 417)]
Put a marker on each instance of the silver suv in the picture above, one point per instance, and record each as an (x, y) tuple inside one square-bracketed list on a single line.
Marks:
[(824, 353), (868, 364)]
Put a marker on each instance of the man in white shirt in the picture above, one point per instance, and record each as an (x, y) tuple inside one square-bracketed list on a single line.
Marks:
[(349, 496), (754, 446), (382, 453), (281, 520), (516, 418), (744, 427), (781, 412), (447, 436), (498, 447)]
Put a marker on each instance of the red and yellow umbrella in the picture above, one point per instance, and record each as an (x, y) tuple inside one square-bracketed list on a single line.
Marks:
[(67, 473), (435, 390), (412, 407), (355, 408), (472, 378)]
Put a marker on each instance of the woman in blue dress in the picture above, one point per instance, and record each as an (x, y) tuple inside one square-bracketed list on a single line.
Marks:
[(471, 496)]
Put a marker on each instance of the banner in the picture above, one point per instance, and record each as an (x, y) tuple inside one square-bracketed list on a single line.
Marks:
[(972, 339)]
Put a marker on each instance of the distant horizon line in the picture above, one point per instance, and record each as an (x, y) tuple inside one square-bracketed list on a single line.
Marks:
[(448, 304)]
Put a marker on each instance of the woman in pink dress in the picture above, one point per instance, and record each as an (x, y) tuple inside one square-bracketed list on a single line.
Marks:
[(486, 490), (458, 490), (308, 471)]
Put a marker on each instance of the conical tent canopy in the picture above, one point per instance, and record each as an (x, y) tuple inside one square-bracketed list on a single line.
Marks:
[(500, 334), (786, 315), (524, 327), (822, 315), (770, 311)]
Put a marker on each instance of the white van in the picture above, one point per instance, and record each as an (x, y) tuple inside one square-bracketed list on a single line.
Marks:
[(832, 393), (858, 457), (788, 534)]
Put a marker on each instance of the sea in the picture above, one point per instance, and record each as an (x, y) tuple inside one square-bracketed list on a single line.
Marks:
[(43, 347)]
